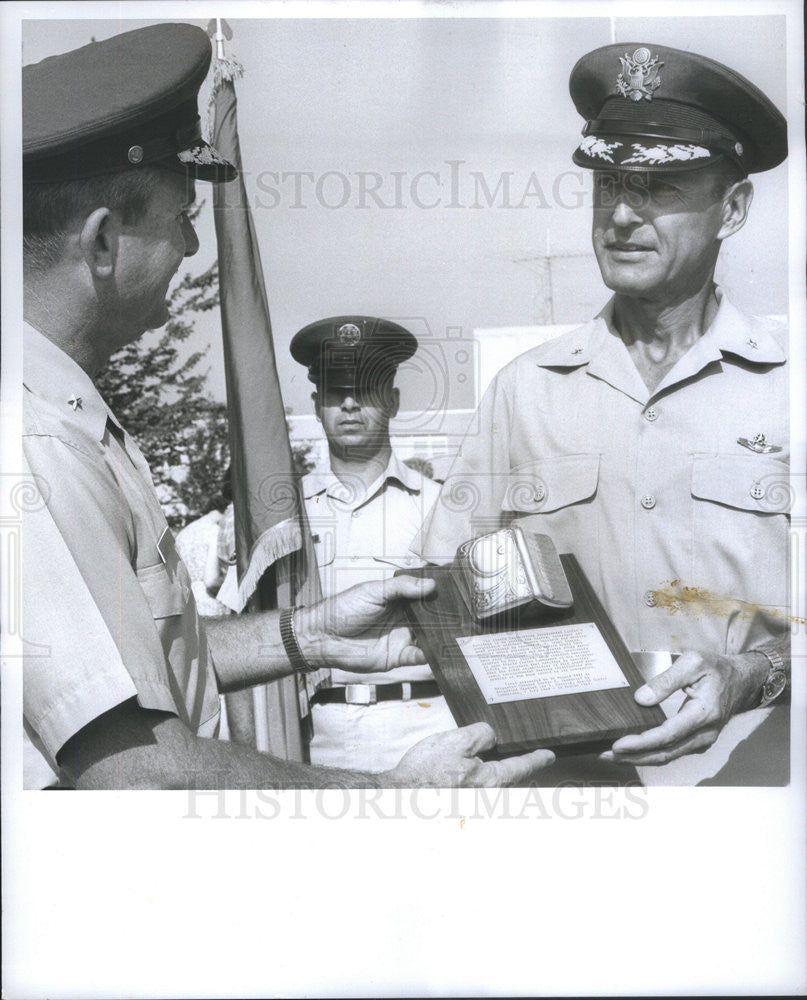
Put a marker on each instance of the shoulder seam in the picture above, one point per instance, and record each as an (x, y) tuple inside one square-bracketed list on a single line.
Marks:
[(68, 442)]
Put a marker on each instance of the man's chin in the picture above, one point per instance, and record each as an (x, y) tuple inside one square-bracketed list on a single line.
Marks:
[(624, 282), (353, 440), (159, 321)]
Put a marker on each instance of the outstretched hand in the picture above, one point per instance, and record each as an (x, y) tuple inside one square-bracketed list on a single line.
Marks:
[(363, 629), (716, 687), (450, 760)]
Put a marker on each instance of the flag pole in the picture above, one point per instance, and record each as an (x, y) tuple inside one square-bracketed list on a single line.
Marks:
[(276, 565)]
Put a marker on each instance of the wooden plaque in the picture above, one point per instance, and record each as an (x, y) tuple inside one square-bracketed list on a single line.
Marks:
[(583, 722)]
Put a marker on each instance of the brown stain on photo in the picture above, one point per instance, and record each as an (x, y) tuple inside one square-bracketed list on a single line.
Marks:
[(674, 596)]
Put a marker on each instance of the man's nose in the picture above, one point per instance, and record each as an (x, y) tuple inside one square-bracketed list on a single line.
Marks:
[(625, 211), (191, 239), (349, 402)]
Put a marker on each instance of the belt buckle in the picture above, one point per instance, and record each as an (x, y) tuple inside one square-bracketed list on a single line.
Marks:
[(360, 694)]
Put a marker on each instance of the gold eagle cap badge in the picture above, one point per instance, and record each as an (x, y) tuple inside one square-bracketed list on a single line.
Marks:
[(639, 78)]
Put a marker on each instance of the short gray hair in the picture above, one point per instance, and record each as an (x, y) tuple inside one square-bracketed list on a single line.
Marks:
[(50, 208)]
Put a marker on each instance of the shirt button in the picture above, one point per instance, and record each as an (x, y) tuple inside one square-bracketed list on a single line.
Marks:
[(648, 501), (757, 491), (539, 494), (650, 598), (651, 414)]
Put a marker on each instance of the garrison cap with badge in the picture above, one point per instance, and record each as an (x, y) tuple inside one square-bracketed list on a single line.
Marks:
[(120, 104), (352, 352), (650, 107)]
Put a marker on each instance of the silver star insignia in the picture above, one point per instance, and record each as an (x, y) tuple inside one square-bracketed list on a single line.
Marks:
[(75, 402)]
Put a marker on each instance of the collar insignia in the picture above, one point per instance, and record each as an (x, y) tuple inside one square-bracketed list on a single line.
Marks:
[(75, 402), (640, 75), (758, 444)]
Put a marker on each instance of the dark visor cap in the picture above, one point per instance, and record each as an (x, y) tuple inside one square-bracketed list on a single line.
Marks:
[(352, 352), (123, 103), (649, 107)]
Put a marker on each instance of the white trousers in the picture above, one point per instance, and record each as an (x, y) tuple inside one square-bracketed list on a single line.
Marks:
[(374, 737)]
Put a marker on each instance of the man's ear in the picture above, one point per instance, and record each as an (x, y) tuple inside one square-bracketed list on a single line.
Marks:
[(315, 398), (99, 242), (394, 402), (736, 203)]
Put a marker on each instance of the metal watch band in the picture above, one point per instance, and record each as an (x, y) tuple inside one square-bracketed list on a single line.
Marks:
[(776, 681), (290, 644)]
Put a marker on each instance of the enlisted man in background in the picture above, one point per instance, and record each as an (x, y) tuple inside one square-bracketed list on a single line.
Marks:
[(364, 509), (121, 680), (653, 441)]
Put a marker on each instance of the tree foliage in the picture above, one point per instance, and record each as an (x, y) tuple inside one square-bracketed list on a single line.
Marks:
[(160, 398)]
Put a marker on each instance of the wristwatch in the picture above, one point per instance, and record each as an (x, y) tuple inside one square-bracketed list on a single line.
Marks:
[(290, 644), (776, 681)]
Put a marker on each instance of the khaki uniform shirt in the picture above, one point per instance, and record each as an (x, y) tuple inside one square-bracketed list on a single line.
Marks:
[(681, 529), (108, 612), (362, 536)]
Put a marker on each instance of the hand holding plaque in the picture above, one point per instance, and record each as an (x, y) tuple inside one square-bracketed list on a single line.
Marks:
[(516, 637)]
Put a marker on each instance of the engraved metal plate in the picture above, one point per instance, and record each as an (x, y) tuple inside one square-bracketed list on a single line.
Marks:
[(507, 569)]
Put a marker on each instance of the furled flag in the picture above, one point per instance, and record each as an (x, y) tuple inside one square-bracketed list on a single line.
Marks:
[(273, 544)]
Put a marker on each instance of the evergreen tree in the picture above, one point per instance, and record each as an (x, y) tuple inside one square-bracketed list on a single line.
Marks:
[(162, 402)]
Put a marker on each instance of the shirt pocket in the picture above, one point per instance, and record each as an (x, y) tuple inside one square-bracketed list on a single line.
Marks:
[(167, 594), (551, 484), (756, 483), (741, 527), (324, 539)]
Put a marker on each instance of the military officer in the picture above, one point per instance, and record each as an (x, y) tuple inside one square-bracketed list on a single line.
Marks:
[(121, 681), (365, 507), (653, 441)]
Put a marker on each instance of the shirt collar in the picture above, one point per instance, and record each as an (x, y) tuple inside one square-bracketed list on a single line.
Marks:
[(597, 345), (410, 478), (54, 376), (733, 332), (577, 347), (730, 332), (322, 480)]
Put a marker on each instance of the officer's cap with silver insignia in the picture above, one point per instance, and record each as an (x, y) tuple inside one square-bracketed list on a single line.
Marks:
[(352, 352), (120, 104), (649, 107)]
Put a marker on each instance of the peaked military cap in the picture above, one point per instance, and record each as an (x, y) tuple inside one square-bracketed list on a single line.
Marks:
[(352, 352), (121, 103), (649, 107)]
